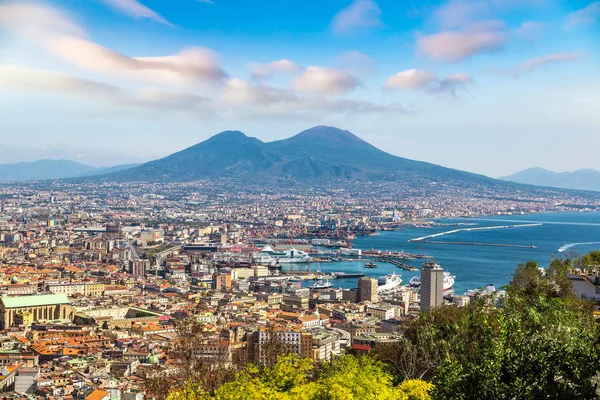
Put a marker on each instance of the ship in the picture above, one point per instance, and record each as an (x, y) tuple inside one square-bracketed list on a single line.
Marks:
[(369, 264), (388, 282), (415, 281), (320, 284), (348, 275), (268, 256)]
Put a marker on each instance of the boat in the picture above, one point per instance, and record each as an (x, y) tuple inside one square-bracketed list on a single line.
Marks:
[(268, 256), (415, 281), (388, 282), (369, 264), (348, 275), (320, 284)]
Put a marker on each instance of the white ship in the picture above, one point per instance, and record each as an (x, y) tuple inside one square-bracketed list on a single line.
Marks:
[(268, 256), (320, 284), (415, 281), (389, 282)]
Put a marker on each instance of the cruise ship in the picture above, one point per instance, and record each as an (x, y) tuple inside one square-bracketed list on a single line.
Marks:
[(268, 256), (388, 282), (415, 281)]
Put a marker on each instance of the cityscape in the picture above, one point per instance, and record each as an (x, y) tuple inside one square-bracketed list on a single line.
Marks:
[(366, 233)]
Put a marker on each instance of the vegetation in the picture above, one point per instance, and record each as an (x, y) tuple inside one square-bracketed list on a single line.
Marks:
[(539, 341), (347, 378)]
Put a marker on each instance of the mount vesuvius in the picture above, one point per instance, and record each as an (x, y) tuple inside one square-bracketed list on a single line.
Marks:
[(318, 153)]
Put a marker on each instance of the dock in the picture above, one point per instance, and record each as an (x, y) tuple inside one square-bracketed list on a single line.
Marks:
[(400, 265)]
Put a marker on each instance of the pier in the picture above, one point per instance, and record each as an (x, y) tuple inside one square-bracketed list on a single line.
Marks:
[(399, 264)]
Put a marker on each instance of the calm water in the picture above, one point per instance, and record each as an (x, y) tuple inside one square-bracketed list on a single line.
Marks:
[(476, 266)]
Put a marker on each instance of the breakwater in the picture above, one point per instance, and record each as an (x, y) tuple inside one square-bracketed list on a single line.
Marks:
[(484, 228)]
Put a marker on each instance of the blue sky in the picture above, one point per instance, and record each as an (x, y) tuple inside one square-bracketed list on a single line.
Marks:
[(489, 86)]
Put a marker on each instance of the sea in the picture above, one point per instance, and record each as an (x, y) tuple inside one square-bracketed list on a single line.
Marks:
[(477, 266)]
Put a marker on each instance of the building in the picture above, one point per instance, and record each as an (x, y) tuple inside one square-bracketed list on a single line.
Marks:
[(139, 267), (221, 281), (263, 341), (113, 230), (432, 285), (94, 289), (367, 290), (43, 307), (68, 288)]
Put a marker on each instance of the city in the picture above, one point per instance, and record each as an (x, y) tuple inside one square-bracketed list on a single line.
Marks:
[(299, 200)]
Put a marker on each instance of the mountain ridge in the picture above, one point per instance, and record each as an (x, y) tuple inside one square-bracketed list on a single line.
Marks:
[(581, 179), (53, 169)]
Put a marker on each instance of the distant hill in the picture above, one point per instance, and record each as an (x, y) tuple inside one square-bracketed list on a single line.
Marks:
[(320, 153), (53, 169), (583, 179)]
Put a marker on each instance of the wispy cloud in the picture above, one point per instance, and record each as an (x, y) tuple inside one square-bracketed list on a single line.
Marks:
[(360, 14), (539, 62), (47, 81), (355, 63), (585, 16), (135, 9)]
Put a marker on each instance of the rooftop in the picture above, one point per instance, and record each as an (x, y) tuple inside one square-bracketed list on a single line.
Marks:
[(34, 301)]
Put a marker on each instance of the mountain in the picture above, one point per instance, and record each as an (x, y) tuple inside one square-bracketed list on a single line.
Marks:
[(318, 153), (583, 179), (53, 169)]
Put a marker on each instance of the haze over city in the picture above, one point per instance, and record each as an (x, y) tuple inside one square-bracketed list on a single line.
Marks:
[(485, 86)]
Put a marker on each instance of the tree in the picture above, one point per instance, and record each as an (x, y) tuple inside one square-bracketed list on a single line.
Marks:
[(347, 378), (539, 341)]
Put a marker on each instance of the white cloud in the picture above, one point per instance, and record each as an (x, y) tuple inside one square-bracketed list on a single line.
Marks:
[(324, 80), (35, 21), (358, 15), (414, 79), (54, 32), (410, 80), (280, 67), (135, 9), (585, 16), (456, 46)]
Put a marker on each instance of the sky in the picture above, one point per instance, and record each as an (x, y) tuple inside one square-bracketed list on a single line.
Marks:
[(487, 86)]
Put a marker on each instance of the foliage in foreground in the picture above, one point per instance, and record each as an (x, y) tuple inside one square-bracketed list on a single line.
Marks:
[(539, 342), (347, 378)]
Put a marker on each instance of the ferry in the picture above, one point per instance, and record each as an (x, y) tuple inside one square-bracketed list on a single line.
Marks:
[(388, 282), (320, 284), (268, 256), (415, 281)]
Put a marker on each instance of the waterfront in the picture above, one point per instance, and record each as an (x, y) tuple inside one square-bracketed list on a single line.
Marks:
[(476, 266)]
